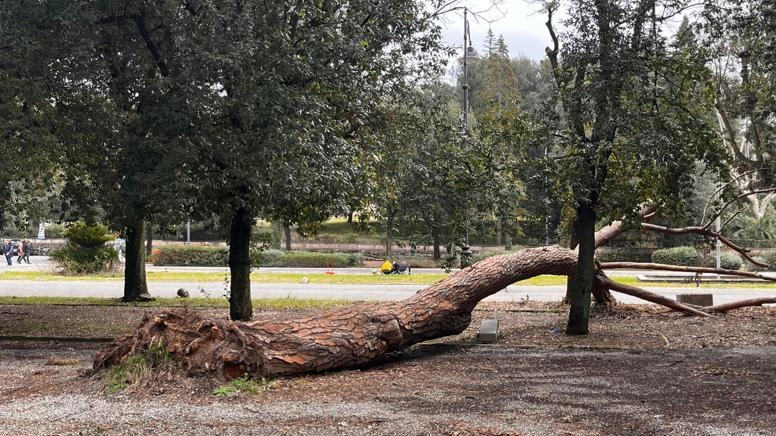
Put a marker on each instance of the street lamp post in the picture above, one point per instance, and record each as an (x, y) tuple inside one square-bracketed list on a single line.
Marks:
[(466, 47)]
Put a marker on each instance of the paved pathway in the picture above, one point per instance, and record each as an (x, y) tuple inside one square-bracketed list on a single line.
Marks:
[(114, 289)]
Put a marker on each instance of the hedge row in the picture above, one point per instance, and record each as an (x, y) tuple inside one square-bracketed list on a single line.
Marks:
[(218, 256), (689, 256), (308, 259)]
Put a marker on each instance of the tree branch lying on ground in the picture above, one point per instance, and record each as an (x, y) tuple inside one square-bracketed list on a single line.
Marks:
[(352, 336)]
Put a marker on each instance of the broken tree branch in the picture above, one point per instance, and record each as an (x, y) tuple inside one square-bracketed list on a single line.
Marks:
[(648, 296), (692, 269), (722, 308), (703, 231), (617, 227), (738, 197)]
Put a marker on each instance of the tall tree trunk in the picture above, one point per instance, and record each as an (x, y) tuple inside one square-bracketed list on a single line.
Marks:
[(287, 234), (498, 230), (436, 243), (277, 235), (149, 243), (582, 282), (388, 236), (240, 306), (573, 242), (350, 217), (135, 284)]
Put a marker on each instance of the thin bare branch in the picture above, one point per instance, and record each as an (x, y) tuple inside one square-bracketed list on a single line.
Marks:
[(703, 231), (722, 308), (692, 269), (718, 190), (648, 296), (740, 196), (727, 221), (552, 53)]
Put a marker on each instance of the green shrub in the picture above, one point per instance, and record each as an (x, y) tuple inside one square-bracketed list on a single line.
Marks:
[(623, 254), (726, 261), (91, 236), (312, 259), (177, 255), (684, 256), (270, 257), (55, 231), (85, 251), (190, 255)]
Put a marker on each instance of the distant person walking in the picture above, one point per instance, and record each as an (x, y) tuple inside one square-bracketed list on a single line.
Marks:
[(9, 252), (27, 247), (19, 252)]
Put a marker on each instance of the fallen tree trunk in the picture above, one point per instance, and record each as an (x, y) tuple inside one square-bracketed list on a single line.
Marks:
[(339, 338), (356, 335)]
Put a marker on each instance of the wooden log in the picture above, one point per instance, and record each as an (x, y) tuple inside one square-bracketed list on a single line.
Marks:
[(339, 338)]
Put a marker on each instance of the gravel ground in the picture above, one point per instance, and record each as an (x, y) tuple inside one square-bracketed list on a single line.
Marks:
[(640, 372)]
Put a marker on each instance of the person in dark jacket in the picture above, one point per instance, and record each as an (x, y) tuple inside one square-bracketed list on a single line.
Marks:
[(402, 268), (27, 247), (9, 252)]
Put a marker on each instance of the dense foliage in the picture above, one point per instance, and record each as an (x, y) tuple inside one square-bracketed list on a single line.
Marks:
[(222, 110)]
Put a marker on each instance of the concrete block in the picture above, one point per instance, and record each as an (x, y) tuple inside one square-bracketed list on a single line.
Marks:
[(488, 331), (696, 299)]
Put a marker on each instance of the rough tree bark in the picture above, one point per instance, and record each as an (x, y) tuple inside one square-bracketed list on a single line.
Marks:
[(287, 235), (135, 284), (581, 283), (240, 306)]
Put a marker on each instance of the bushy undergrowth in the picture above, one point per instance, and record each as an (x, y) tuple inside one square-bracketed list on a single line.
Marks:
[(769, 258), (689, 256), (726, 261), (218, 256), (245, 386), (190, 255), (85, 251), (309, 259), (623, 254), (140, 369), (682, 256)]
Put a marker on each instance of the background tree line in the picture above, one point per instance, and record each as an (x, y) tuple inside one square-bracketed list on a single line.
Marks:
[(138, 113)]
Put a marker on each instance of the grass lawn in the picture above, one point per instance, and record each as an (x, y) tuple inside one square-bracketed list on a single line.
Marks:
[(349, 279), (285, 303)]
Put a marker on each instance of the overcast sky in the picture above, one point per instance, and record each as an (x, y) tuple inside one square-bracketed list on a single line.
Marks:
[(517, 20)]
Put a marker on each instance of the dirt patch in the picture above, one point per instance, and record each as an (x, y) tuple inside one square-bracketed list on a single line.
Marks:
[(641, 371)]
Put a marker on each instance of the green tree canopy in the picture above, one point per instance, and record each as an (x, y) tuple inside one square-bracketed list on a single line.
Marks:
[(637, 117)]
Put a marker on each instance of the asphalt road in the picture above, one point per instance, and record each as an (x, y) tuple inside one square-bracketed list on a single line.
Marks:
[(114, 289)]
